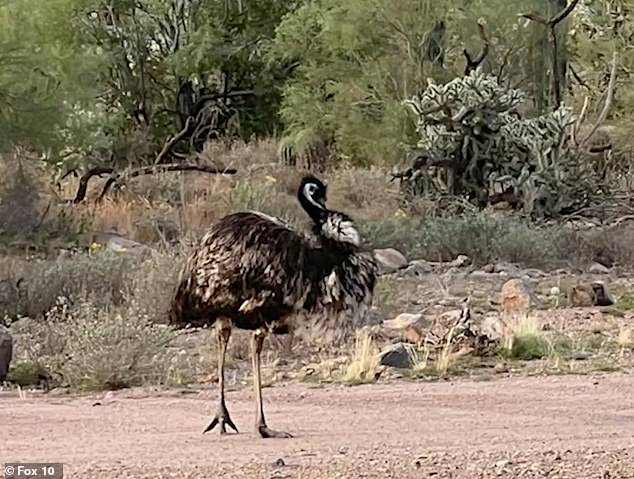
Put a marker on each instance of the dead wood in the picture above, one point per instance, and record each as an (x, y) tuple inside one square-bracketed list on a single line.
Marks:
[(146, 170), (473, 63)]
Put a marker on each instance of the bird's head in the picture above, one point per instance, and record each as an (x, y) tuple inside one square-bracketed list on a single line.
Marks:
[(312, 197), (329, 224)]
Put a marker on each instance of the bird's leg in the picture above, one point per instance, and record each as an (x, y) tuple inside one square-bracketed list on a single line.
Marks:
[(260, 424), (222, 415)]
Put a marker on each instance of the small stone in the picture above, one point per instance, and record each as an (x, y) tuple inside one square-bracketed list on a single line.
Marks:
[(461, 261), (400, 355), (500, 368), (419, 267), (390, 260), (598, 268), (280, 462), (402, 321), (489, 268), (555, 291)]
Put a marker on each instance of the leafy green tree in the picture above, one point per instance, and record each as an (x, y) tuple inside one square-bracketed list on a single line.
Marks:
[(359, 60), (44, 72)]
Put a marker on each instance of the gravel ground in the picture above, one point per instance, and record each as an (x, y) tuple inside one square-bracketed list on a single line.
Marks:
[(573, 427)]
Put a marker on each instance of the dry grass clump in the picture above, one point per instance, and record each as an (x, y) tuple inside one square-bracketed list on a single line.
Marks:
[(625, 339), (525, 340), (363, 364), (83, 347), (33, 287)]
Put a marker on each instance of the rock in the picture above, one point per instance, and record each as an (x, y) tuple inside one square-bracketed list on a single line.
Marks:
[(598, 268), (410, 326), (400, 355), (506, 269), (492, 328), (402, 321), (489, 268), (419, 267), (118, 244), (500, 368), (601, 294), (461, 261), (390, 260), (585, 295), (413, 335), (516, 297), (535, 273), (6, 352)]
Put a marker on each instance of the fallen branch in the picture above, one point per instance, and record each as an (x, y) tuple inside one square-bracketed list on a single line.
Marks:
[(85, 178), (169, 144), (146, 170)]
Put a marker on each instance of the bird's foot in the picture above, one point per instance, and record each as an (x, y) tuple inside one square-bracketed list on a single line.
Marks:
[(223, 419), (265, 432)]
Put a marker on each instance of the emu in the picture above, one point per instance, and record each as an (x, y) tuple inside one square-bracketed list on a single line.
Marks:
[(255, 272)]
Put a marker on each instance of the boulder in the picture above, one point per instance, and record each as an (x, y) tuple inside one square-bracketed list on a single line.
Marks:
[(584, 295), (409, 325), (598, 268), (118, 244), (6, 352), (390, 260), (400, 355), (516, 297)]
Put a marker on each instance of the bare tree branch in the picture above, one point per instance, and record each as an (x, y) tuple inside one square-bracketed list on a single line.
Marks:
[(473, 63), (146, 170), (563, 14), (169, 144), (85, 178), (608, 102)]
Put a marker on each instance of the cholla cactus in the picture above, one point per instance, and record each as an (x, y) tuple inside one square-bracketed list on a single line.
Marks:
[(475, 142)]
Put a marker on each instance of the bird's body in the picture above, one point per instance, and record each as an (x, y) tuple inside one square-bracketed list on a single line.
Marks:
[(255, 272)]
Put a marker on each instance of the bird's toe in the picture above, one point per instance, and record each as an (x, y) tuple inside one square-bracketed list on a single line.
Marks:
[(265, 432)]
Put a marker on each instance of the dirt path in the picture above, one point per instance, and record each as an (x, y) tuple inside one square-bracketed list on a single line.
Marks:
[(565, 427)]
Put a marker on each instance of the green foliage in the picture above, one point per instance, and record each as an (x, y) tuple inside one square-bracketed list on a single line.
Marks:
[(44, 72), (26, 373), (528, 348), (85, 347), (359, 60), (103, 277), (475, 141), (482, 237)]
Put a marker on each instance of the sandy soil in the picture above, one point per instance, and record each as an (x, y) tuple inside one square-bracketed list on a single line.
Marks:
[(557, 427)]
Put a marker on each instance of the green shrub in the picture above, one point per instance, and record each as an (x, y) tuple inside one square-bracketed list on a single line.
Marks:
[(103, 276), (88, 348), (481, 236), (529, 347)]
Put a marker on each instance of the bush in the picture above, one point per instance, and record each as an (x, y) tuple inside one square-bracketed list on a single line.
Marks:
[(103, 276), (89, 348), (481, 236), (153, 284), (529, 347)]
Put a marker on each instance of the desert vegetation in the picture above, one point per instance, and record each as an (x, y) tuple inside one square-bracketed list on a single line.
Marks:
[(485, 141)]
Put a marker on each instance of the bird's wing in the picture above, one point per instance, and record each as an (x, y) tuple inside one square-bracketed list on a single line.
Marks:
[(250, 259)]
